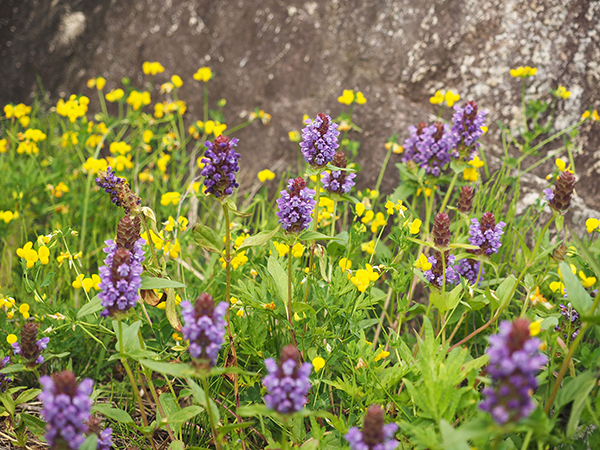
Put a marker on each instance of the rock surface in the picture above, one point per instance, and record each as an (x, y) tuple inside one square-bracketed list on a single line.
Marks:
[(295, 57)]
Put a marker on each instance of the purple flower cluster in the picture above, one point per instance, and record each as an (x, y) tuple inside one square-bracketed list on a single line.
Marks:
[(31, 347), (375, 435), (66, 408), (486, 234), (221, 165), (435, 275), (94, 426), (338, 181), (120, 277), (514, 361), (570, 325), (319, 140), (204, 326), (431, 147), (296, 206), (288, 382), (119, 190), (467, 123), (469, 269), (4, 380)]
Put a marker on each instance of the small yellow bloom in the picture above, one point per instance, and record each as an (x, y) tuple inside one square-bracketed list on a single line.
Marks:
[(437, 99), (586, 281), (177, 337), (368, 247), (203, 74), (95, 165), (44, 254), (378, 222), (345, 264), (360, 209), (147, 136), (535, 327), (347, 97), (592, 224), (152, 68), (470, 174), (523, 72), (270, 306), (415, 226), (451, 98), (360, 98), (298, 250), (390, 207), (29, 254), (423, 263), (233, 300), (369, 215), (11, 339), (562, 92), (537, 297), (484, 129), (557, 286), (138, 99), (170, 198), (177, 81), (382, 355), (115, 95), (3, 145), (318, 363), (265, 175), (240, 312), (24, 310), (294, 136), (595, 116)]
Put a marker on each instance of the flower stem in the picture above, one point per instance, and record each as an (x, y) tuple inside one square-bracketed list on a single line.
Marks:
[(383, 167), (289, 308), (449, 193), (209, 410)]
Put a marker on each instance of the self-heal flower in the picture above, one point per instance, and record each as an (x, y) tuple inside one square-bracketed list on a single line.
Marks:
[(469, 269), (4, 380), (31, 347), (570, 324), (375, 434), (288, 382), (467, 124), (486, 234), (65, 409), (204, 326), (431, 147), (123, 266), (119, 190), (319, 140), (514, 360), (94, 426), (338, 181), (296, 206), (559, 196), (221, 165), (465, 199)]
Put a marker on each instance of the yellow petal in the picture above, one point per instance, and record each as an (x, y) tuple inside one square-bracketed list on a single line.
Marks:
[(318, 363)]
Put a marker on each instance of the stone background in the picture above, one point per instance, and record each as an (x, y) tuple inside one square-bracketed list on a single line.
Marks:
[(295, 57)]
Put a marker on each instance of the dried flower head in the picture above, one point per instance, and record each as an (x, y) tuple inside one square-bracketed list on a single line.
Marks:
[(465, 199)]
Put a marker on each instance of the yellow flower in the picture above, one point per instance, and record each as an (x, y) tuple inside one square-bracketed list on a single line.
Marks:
[(537, 297), (162, 162), (415, 226), (396, 148), (99, 83), (298, 250), (152, 68), (7, 216), (451, 98), (382, 355), (233, 300), (265, 175), (177, 337), (69, 138), (390, 207), (120, 163), (170, 198), (24, 310), (345, 264), (9, 111), (203, 74), (11, 339), (484, 129), (562, 92), (360, 98), (347, 97), (28, 254), (282, 249), (73, 108), (270, 306), (24, 121), (592, 224), (586, 281), (523, 72), (3, 145), (368, 217), (318, 363), (535, 327), (21, 110), (120, 147), (44, 254), (368, 247), (177, 81), (95, 165), (294, 136), (172, 248), (423, 263), (360, 209), (470, 174), (115, 95), (595, 116), (437, 99), (147, 136), (557, 286), (378, 222), (138, 99)]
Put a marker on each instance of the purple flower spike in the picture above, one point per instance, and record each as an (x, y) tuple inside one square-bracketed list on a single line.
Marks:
[(375, 435), (338, 181), (514, 360), (431, 147), (204, 326), (94, 426), (319, 140), (4, 380), (570, 324), (469, 270), (31, 347), (296, 206), (467, 123), (288, 382), (66, 408), (486, 234), (435, 275), (221, 165), (119, 190)]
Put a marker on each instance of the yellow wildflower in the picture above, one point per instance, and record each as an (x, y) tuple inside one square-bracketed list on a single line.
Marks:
[(451, 98), (318, 363), (177, 81), (437, 99), (382, 355), (203, 74), (378, 222), (162, 162), (298, 250), (7, 216), (595, 116), (138, 99), (557, 286), (28, 254), (592, 224), (368, 217), (265, 175), (120, 163), (73, 108), (115, 95), (172, 248), (523, 72), (24, 310), (390, 207), (152, 68), (562, 92), (120, 147), (345, 264), (396, 148), (98, 83), (270, 306), (415, 226), (586, 281), (360, 98), (11, 339), (95, 165), (69, 138), (3, 145), (537, 297), (170, 198), (177, 337), (535, 327), (422, 263), (294, 136), (368, 247), (347, 97), (233, 300)]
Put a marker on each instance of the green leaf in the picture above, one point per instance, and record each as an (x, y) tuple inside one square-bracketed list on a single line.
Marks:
[(420, 242), (589, 258), (224, 430), (200, 398), (13, 368), (465, 246), (207, 238), (309, 235), (174, 369), (559, 222), (452, 439), (233, 208), (90, 443), (578, 296), (130, 335), (257, 409), (177, 445), (454, 297), (35, 425), (113, 413), (159, 283), (90, 307), (183, 415), (280, 277), (258, 239), (505, 290), (27, 395), (438, 300), (8, 403), (585, 385)]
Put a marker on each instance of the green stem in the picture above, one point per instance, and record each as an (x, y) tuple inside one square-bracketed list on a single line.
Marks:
[(383, 167), (150, 243), (449, 193), (211, 418), (289, 307)]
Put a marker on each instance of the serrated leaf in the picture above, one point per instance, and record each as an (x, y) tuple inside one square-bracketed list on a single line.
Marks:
[(114, 413), (160, 283), (258, 239), (207, 238), (90, 308)]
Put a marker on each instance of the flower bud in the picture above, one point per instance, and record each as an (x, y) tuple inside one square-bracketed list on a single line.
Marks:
[(465, 200), (441, 230), (560, 196)]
